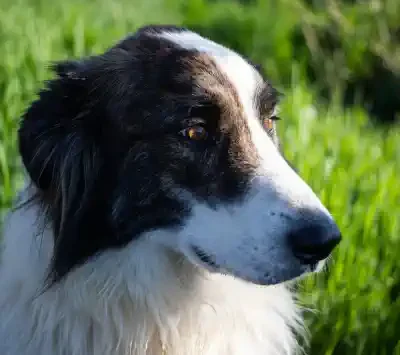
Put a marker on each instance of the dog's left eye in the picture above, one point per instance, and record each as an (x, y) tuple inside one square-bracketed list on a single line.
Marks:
[(196, 133), (268, 123)]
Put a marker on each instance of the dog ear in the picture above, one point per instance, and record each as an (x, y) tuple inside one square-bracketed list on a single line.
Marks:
[(49, 133), (57, 143)]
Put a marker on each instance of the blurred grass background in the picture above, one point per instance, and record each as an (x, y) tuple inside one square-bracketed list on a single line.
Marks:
[(338, 63)]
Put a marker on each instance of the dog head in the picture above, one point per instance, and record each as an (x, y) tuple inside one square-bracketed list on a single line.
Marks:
[(170, 135)]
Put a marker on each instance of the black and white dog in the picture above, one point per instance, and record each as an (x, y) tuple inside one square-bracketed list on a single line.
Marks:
[(160, 216)]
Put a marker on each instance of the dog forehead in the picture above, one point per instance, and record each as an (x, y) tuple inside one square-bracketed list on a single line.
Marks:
[(245, 80)]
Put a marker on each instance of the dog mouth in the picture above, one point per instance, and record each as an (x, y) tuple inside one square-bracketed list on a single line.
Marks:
[(205, 258), (207, 261)]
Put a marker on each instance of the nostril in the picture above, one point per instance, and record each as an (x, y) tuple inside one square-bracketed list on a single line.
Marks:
[(313, 243)]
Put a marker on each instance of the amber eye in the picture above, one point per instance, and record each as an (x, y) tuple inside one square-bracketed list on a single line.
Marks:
[(268, 123), (196, 133)]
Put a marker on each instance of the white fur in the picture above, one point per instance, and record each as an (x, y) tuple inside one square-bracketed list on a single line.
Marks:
[(140, 300), (151, 297), (248, 239)]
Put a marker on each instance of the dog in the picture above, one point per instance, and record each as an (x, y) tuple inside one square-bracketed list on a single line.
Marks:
[(159, 214)]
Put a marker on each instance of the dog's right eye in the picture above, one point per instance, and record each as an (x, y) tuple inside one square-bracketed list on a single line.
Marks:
[(196, 133)]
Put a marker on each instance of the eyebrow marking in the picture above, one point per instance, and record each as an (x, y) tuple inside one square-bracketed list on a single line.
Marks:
[(244, 78)]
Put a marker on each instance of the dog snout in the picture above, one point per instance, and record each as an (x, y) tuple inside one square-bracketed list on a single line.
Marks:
[(314, 241)]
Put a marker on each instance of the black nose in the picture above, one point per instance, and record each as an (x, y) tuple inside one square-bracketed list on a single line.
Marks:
[(314, 242)]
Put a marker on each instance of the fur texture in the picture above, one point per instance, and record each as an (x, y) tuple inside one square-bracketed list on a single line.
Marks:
[(170, 306), (160, 216)]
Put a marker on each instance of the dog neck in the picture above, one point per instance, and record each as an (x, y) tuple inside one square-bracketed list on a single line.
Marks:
[(142, 300)]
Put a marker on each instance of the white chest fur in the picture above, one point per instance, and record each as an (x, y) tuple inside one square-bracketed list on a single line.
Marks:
[(139, 300)]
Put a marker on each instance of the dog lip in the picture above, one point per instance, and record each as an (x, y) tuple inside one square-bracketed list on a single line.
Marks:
[(206, 260), (314, 266), (204, 257), (309, 259)]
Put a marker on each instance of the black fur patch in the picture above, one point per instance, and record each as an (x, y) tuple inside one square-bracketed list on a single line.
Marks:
[(102, 143)]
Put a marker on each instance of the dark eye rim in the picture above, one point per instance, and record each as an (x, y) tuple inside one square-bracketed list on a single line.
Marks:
[(184, 132), (274, 118)]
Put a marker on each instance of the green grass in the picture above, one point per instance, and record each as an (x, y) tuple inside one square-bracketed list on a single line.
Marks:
[(351, 163), (355, 168)]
